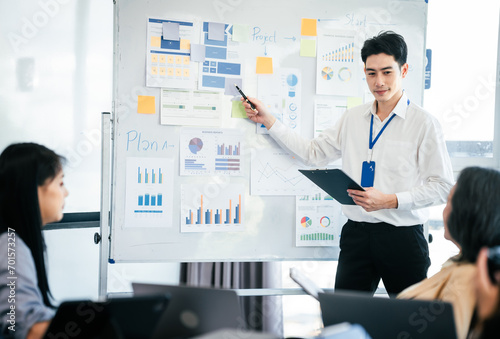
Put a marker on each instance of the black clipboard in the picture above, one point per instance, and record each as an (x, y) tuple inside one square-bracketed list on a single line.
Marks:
[(334, 182)]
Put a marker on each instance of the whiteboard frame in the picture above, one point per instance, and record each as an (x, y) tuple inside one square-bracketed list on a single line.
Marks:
[(123, 248)]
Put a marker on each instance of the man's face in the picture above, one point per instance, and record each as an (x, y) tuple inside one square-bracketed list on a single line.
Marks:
[(384, 77)]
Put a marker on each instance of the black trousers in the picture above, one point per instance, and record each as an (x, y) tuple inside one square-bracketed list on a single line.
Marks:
[(373, 251)]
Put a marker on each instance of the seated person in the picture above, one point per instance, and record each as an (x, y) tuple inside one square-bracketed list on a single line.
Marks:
[(32, 195), (471, 221)]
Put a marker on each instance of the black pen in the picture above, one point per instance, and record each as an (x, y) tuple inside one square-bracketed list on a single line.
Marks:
[(252, 106)]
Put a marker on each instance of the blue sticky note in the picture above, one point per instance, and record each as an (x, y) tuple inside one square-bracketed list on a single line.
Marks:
[(171, 31), (197, 52), (216, 31)]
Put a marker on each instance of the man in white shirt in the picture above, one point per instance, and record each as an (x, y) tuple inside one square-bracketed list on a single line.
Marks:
[(397, 151)]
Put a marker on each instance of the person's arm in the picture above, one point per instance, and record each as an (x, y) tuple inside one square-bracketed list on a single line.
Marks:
[(261, 115), (373, 200), (434, 167), (38, 330), (318, 152), (29, 307)]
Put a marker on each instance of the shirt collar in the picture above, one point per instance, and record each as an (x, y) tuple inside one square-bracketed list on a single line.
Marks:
[(399, 110)]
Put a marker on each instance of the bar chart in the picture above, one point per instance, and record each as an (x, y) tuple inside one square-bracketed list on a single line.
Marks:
[(210, 151), (149, 190), (208, 212)]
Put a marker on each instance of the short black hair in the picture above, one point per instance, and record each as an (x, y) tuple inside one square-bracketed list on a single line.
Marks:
[(474, 220), (387, 42)]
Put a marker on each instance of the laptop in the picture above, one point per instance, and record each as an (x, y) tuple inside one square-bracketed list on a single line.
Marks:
[(389, 318), (307, 284), (131, 318), (194, 310)]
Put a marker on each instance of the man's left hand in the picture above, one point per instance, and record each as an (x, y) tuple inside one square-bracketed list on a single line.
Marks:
[(373, 200)]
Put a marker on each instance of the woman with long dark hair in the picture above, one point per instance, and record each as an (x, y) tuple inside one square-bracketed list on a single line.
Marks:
[(471, 221), (32, 195)]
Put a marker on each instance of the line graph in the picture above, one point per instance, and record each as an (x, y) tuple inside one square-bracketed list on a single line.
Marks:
[(275, 172)]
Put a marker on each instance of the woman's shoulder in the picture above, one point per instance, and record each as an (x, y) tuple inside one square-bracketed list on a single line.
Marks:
[(10, 240), (16, 249)]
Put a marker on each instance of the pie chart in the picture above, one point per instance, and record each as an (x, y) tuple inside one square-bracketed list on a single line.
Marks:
[(306, 222), (325, 221), (327, 73), (292, 80), (195, 145)]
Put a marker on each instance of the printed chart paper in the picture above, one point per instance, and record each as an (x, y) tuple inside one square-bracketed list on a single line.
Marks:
[(338, 64), (205, 151), (318, 220), (212, 208), (222, 61), (169, 61), (276, 172), (149, 192), (190, 108), (326, 113), (281, 92)]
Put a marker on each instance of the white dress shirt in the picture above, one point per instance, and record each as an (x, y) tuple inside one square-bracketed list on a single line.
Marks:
[(411, 159)]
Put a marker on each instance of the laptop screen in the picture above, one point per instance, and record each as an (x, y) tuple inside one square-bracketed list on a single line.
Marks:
[(132, 318), (389, 318), (193, 310)]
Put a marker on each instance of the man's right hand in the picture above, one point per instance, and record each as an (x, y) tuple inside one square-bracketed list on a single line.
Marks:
[(261, 115)]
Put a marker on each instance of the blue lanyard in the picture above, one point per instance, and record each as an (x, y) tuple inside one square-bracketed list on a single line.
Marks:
[(372, 143)]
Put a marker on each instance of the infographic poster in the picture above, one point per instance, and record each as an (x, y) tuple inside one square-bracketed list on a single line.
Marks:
[(190, 108), (338, 64), (318, 220), (210, 151), (149, 192), (212, 208), (168, 57), (222, 66), (281, 92)]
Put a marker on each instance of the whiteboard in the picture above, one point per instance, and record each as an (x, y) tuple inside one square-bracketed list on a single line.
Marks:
[(269, 232)]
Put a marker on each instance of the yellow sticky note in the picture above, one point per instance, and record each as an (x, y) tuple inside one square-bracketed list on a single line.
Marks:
[(238, 111), (264, 65), (308, 27), (155, 41), (146, 104), (354, 101), (307, 48), (185, 44)]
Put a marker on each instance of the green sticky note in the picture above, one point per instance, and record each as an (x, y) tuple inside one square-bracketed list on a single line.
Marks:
[(354, 101), (307, 48), (240, 33), (238, 111)]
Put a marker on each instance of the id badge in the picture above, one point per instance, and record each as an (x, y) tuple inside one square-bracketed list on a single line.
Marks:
[(367, 174)]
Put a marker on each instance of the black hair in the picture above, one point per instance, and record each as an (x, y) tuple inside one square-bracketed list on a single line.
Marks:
[(474, 220), (389, 43), (24, 167)]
